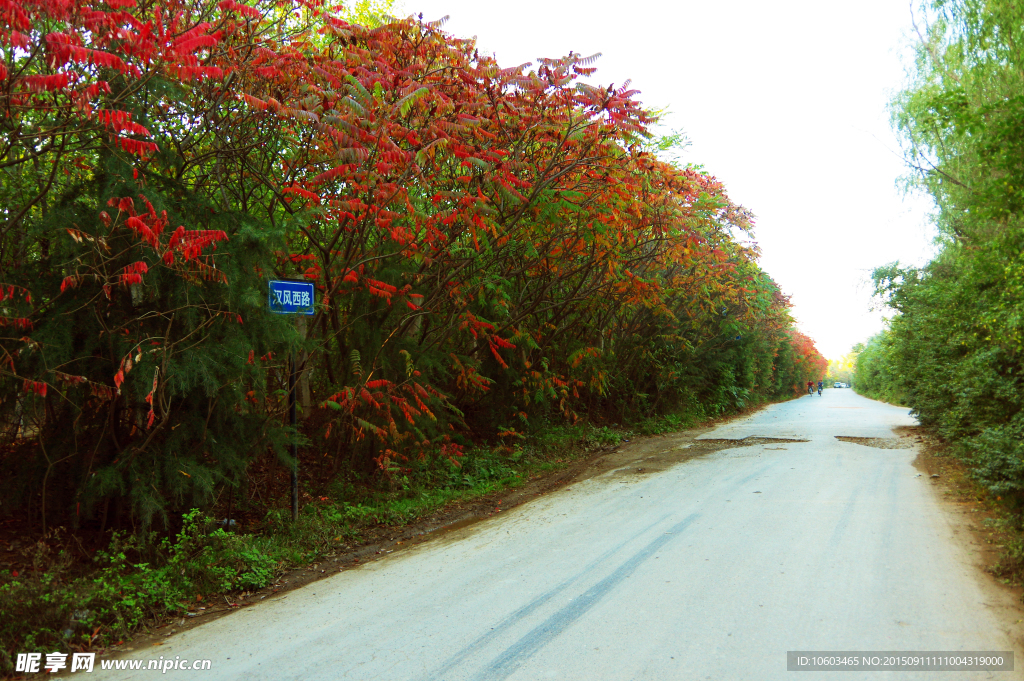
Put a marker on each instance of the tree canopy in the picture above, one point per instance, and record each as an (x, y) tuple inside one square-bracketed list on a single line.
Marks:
[(953, 351), (493, 249)]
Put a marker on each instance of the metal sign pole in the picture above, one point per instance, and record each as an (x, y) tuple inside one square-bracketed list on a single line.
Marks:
[(295, 447), (297, 298)]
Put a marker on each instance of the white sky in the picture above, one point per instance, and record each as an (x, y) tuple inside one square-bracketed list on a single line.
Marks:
[(784, 101)]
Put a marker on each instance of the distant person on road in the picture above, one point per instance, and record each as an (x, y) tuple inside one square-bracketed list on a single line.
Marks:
[(810, 387), (821, 386)]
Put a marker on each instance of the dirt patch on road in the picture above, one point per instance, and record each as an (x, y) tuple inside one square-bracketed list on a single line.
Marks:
[(879, 442), (715, 445), (673, 449)]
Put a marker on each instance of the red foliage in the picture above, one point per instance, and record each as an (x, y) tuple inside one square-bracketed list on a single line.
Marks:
[(499, 219)]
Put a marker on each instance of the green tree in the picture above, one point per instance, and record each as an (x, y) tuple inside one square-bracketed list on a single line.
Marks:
[(954, 350)]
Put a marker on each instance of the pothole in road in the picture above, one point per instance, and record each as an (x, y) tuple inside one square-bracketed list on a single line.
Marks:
[(878, 442), (655, 461), (717, 444)]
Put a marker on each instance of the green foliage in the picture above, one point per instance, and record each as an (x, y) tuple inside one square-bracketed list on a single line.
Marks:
[(954, 350), (875, 376), (52, 609), (370, 12)]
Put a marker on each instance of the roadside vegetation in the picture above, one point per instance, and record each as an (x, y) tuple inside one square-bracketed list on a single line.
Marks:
[(504, 265), (876, 375), (954, 351), (994, 525)]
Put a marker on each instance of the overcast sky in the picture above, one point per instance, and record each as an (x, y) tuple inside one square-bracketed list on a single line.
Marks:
[(785, 102)]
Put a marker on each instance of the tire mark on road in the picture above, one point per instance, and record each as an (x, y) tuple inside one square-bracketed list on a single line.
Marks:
[(892, 506), (851, 506), (515, 656), (512, 619), (530, 607)]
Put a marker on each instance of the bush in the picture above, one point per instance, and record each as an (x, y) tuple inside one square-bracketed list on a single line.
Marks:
[(52, 610)]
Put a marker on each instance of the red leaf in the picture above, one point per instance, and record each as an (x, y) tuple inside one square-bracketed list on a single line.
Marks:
[(37, 387), (57, 81)]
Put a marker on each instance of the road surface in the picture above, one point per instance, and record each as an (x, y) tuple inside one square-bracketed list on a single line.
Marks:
[(713, 568)]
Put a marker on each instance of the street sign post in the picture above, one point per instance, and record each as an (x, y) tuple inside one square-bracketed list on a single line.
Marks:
[(296, 298)]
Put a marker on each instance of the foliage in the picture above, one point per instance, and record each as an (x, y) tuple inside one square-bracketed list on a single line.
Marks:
[(875, 374), (55, 609), (953, 352), (497, 251)]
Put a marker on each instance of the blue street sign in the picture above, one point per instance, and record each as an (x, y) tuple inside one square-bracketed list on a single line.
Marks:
[(291, 297)]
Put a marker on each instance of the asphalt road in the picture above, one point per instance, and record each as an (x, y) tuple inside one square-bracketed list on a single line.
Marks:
[(711, 569)]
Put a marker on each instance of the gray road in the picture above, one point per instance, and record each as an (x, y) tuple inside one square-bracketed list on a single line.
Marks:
[(712, 569)]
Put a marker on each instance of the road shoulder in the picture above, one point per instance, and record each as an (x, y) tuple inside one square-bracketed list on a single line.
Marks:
[(974, 523)]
